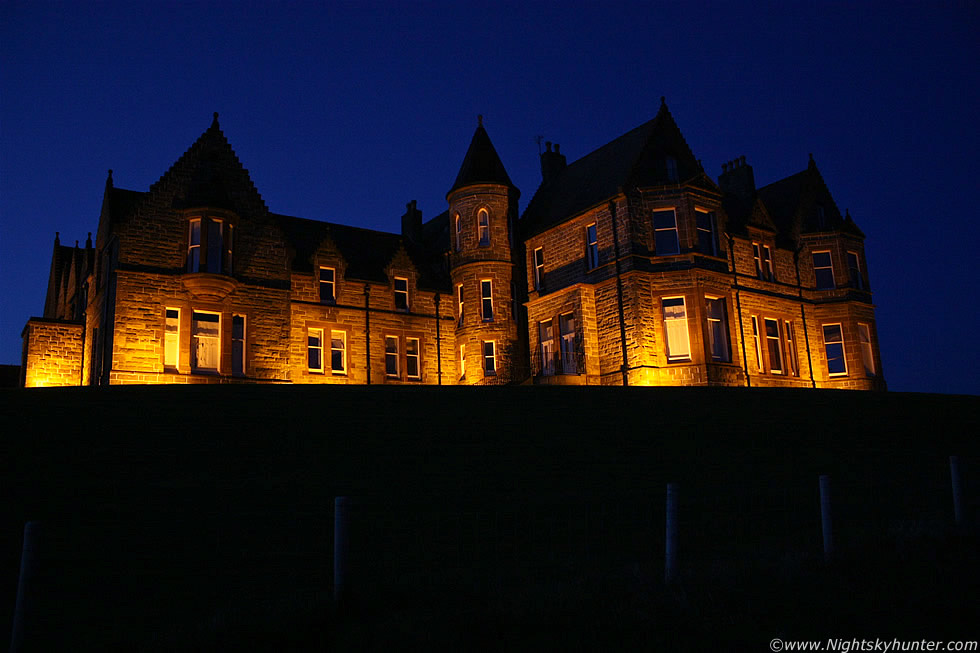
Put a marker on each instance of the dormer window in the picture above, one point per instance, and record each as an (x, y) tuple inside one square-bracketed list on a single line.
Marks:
[(672, 169), (209, 245), (328, 285), (401, 294), (483, 219)]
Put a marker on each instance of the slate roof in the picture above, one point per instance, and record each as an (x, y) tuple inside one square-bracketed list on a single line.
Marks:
[(481, 165), (637, 158), (792, 203)]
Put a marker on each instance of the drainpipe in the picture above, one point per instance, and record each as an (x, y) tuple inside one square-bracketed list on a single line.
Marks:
[(738, 306), (806, 331), (619, 293), (438, 344), (367, 330)]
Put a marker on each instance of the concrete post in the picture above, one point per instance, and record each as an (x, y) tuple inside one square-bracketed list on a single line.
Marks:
[(826, 518), (341, 548), (954, 475), (26, 608), (670, 548)]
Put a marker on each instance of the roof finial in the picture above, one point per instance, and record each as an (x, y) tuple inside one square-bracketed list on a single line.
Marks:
[(108, 180), (479, 120), (663, 101), (214, 123), (847, 214), (57, 238), (88, 241), (811, 162)]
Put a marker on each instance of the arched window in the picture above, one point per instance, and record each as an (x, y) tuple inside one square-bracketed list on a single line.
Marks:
[(483, 219), (459, 232)]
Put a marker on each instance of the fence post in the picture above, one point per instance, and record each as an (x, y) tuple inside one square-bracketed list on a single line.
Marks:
[(341, 548), (954, 475), (826, 518), (26, 608), (670, 548)]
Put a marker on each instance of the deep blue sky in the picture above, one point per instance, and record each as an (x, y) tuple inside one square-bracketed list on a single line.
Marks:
[(345, 112)]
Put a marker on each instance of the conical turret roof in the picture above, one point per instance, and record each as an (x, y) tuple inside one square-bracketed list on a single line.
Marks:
[(481, 165)]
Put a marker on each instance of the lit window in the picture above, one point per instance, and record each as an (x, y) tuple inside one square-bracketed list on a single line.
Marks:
[(483, 219), (675, 326), (412, 358), (538, 268), (459, 302), (773, 345), (486, 293), (314, 350), (238, 345), (707, 233), (867, 354), (462, 361), (547, 348), (758, 343), (489, 358), (566, 324), (672, 169), (718, 330), (338, 352), (328, 283), (391, 356), (791, 355), (833, 342), (591, 247), (665, 232), (823, 270), (206, 345), (401, 294), (171, 339), (854, 270), (767, 272), (459, 232)]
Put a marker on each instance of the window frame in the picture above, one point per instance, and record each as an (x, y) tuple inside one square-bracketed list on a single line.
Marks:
[(331, 284), (722, 326), (238, 356), (676, 357), (486, 299), (827, 344), (757, 336), (537, 260), (867, 350), (310, 348), (417, 357), (774, 344), (393, 356), (462, 361), (792, 355), (829, 266), (483, 227), (407, 304), (566, 343), (592, 246), (194, 264), (343, 350), (171, 343), (712, 230), (195, 339), (459, 232), (656, 230), (767, 264), (491, 358), (459, 304), (856, 278), (547, 346)]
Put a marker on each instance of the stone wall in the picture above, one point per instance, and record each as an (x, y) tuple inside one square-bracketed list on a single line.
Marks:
[(52, 353)]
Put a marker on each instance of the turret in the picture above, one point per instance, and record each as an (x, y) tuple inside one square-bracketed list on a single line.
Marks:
[(483, 266)]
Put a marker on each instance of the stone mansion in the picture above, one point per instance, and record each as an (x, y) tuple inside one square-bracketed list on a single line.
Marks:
[(629, 266)]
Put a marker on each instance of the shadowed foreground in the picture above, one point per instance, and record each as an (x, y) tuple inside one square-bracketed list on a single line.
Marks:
[(527, 517)]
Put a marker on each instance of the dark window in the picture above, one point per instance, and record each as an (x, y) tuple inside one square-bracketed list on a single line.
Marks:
[(486, 287), (538, 268), (707, 233), (484, 222), (773, 343), (833, 340), (591, 247), (412, 368), (401, 294), (391, 356), (854, 270), (314, 350), (718, 330), (238, 345), (823, 270), (665, 232), (328, 279), (489, 358)]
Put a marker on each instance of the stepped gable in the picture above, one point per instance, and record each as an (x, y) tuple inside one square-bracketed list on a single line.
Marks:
[(209, 173), (481, 165), (635, 159), (792, 202)]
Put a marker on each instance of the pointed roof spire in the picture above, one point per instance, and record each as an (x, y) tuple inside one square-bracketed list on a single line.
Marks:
[(88, 241), (214, 123), (811, 163), (481, 165), (57, 238), (108, 180)]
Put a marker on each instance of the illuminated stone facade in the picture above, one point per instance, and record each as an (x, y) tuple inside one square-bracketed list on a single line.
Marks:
[(630, 265)]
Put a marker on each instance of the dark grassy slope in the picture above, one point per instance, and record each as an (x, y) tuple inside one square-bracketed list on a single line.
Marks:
[(216, 500)]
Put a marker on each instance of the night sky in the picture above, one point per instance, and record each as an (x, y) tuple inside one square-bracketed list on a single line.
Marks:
[(345, 112)]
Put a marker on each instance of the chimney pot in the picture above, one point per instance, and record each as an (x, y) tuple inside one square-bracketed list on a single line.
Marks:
[(557, 150), (547, 145)]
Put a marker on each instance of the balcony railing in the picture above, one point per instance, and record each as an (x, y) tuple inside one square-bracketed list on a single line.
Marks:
[(559, 362)]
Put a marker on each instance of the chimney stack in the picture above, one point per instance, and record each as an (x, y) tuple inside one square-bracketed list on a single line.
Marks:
[(552, 163), (737, 179), (412, 223)]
